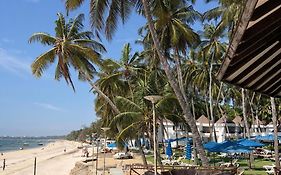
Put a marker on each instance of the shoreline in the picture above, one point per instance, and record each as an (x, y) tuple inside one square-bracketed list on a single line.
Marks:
[(50, 159), (30, 147), (61, 157)]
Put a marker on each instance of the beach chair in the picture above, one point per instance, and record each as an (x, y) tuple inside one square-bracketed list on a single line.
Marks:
[(269, 169), (172, 162)]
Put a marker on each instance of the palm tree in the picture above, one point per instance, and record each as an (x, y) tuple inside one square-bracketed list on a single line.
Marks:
[(214, 50), (172, 22), (227, 13), (115, 9), (72, 47), (172, 80)]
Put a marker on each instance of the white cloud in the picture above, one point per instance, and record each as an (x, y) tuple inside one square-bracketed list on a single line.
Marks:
[(49, 106), (13, 63)]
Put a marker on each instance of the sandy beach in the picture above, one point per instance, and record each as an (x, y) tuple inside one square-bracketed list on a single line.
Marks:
[(52, 160)]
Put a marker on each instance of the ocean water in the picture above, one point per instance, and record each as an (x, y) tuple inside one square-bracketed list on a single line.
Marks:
[(15, 143)]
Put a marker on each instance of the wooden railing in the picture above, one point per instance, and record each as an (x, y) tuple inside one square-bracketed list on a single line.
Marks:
[(139, 169)]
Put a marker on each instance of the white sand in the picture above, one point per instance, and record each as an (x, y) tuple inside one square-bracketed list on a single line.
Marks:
[(51, 159)]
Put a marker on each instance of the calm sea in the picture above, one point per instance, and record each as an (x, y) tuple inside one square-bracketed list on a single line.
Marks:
[(16, 143)]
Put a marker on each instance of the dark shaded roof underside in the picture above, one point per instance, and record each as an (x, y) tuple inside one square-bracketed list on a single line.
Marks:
[(253, 57)]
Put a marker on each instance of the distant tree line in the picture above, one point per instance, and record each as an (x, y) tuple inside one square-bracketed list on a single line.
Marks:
[(82, 134)]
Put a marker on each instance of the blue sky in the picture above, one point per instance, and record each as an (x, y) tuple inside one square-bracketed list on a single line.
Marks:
[(40, 107)]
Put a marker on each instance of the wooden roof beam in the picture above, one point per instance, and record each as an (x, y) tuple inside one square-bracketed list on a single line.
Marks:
[(265, 8), (259, 27), (271, 83), (277, 63), (275, 83), (276, 93), (262, 40), (255, 64), (251, 53)]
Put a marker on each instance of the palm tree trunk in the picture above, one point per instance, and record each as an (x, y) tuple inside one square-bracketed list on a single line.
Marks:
[(184, 104), (142, 154), (208, 116), (246, 125), (179, 72), (194, 145), (274, 120), (162, 133), (214, 138)]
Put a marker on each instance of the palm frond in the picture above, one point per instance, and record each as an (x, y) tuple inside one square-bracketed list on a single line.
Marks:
[(124, 104), (76, 25), (73, 4), (42, 62), (43, 38)]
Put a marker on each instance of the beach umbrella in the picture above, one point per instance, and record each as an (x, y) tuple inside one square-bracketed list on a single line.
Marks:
[(169, 151), (220, 146), (112, 145), (210, 145), (249, 143), (188, 151), (237, 148), (268, 137), (229, 147)]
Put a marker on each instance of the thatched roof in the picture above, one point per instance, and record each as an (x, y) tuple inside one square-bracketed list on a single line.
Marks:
[(259, 122), (238, 121), (203, 119), (253, 57), (224, 119)]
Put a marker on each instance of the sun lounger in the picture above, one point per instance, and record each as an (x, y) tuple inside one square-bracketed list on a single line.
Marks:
[(269, 169), (172, 162)]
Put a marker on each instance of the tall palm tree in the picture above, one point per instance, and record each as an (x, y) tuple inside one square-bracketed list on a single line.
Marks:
[(172, 80), (71, 47), (99, 9), (214, 50)]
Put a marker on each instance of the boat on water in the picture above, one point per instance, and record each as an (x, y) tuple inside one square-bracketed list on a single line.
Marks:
[(40, 144)]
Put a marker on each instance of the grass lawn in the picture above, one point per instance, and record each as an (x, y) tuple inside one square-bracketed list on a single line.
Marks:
[(257, 167)]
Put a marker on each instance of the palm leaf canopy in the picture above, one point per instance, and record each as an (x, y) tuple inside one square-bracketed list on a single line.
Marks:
[(105, 14), (70, 47)]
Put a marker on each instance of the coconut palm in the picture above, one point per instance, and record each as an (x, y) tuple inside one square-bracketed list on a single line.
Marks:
[(71, 47), (227, 13), (115, 8), (214, 50)]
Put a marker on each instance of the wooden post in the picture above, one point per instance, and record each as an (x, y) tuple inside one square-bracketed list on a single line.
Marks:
[(97, 157), (35, 166), (4, 164)]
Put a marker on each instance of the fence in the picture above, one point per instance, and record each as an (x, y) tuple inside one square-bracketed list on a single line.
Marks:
[(140, 169)]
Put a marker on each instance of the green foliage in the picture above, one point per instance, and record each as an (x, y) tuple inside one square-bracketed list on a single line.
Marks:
[(94, 130), (71, 47)]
